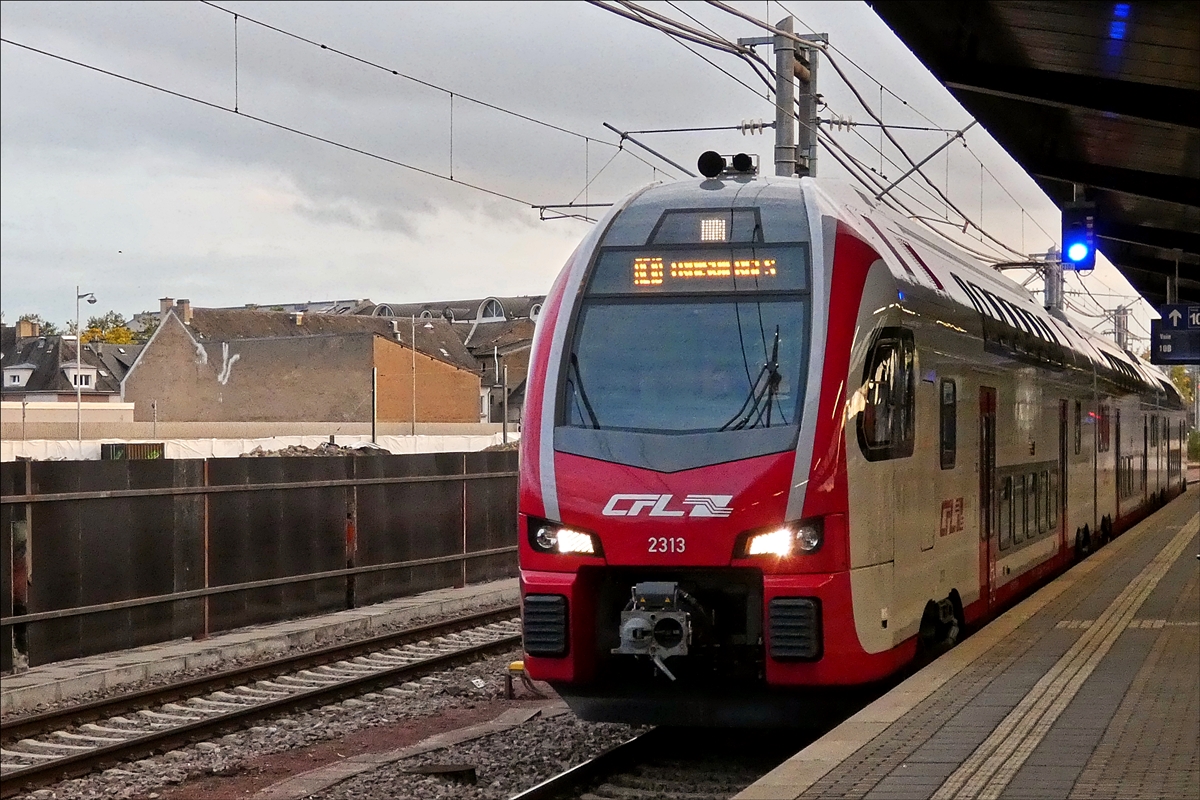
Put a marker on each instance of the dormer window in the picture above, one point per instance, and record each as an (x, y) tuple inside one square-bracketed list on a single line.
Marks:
[(491, 311), (534, 311), (17, 375), (82, 377)]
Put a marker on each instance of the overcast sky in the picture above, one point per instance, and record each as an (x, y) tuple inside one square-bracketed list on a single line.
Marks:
[(135, 194)]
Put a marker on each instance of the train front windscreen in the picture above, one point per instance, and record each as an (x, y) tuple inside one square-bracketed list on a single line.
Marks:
[(690, 338)]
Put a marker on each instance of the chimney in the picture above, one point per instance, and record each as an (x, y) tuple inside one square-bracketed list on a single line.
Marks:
[(297, 317), (184, 309), (396, 329), (164, 305), (28, 330)]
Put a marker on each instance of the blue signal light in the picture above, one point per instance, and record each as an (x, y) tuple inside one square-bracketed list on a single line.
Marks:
[(1121, 10), (1116, 30), (1079, 236), (1077, 252)]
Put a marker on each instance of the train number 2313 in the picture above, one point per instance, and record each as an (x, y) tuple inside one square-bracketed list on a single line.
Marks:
[(667, 544)]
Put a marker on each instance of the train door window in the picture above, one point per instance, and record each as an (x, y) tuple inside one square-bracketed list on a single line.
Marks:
[(1055, 501), (1154, 431), (1006, 512), (886, 423), (1078, 426), (949, 423)]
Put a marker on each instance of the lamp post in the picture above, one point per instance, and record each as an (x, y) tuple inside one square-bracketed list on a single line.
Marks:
[(91, 298), (427, 326)]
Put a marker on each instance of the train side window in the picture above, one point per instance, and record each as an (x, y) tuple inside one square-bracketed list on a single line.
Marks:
[(1006, 513), (1055, 502), (949, 423), (1103, 434), (1018, 522), (1154, 431), (1079, 426), (1047, 502), (886, 422), (1031, 505)]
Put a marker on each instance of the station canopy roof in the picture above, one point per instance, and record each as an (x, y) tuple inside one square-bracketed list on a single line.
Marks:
[(1097, 101)]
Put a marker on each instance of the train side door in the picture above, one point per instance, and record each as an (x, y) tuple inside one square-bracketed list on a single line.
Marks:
[(987, 494), (1063, 433)]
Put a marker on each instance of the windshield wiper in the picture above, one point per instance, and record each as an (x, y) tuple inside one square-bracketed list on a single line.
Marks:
[(759, 389), (582, 393)]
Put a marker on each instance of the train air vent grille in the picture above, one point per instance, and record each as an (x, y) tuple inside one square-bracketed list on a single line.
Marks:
[(794, 625), (545, 624)]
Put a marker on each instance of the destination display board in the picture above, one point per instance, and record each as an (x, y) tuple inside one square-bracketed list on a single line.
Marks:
[(1175, 339), (701, 269)]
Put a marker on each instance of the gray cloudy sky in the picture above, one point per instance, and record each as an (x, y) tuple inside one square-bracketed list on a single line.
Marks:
[(134, 194)]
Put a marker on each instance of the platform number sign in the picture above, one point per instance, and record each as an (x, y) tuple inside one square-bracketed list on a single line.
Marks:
[(1175, 339)]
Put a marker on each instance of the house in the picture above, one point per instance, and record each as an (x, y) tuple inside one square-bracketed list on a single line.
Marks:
[(49, 369), (248, 365), (496, 331)]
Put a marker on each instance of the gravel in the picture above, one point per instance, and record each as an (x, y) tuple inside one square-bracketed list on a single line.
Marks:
[(505, 763), (230, 754)]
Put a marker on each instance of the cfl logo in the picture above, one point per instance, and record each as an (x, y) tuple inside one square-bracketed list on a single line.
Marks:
[(702, 505)]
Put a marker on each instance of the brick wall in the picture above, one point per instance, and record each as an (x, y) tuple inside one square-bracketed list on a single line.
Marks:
[(293, 379), (444, 393)]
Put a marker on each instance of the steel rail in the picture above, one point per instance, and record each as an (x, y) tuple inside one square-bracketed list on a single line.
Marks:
[(70, 766), (611, 761), (27, 726)]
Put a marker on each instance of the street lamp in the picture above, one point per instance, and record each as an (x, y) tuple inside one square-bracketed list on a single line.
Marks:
[(427, 326), (91, 298)]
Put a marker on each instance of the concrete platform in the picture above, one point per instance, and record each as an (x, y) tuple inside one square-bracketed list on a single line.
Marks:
[(1090, 688), (28, 690)]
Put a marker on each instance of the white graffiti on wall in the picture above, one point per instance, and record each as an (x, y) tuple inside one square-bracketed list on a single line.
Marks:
[(227, 366)]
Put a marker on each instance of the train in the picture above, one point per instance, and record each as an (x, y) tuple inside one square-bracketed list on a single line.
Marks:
[(780, 441)]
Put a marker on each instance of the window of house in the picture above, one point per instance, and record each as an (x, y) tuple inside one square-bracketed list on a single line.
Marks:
[(534, 311), (886, 424), (1079, 427), (491, 310), (15, 378), (949, 423), (82, 379)]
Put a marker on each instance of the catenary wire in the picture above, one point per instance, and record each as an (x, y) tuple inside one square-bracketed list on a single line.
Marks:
[(264, 121)]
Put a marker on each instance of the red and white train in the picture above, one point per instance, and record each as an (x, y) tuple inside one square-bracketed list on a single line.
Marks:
[(777, 437)]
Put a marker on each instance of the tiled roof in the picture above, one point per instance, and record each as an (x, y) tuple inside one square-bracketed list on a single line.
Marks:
[(48, 355), (437, 341), (463, 310)]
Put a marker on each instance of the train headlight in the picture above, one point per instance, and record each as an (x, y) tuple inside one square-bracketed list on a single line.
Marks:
[(547, 537), (795, 538)]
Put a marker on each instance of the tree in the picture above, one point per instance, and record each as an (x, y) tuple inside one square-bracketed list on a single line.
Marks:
[(1184, 383), (143, 336), (48, 328), (110, 328)]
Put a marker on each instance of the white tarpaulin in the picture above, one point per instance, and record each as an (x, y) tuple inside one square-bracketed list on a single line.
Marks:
[(89, 449)]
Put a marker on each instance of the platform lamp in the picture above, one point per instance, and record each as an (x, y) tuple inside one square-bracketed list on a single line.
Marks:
[(427, 326), (91, 298)]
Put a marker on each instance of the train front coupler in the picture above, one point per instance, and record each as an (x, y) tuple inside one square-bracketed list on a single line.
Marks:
[(656, 623)]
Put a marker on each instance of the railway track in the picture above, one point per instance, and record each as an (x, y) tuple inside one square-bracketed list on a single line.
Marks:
[(676, 763), (45, 748)]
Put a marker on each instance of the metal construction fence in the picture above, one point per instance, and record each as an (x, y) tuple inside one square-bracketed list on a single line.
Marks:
[(98, 556)]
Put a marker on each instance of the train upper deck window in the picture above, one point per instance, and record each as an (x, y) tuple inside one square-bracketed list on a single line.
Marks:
[(886, 425), (700, 268), (949, 423)]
